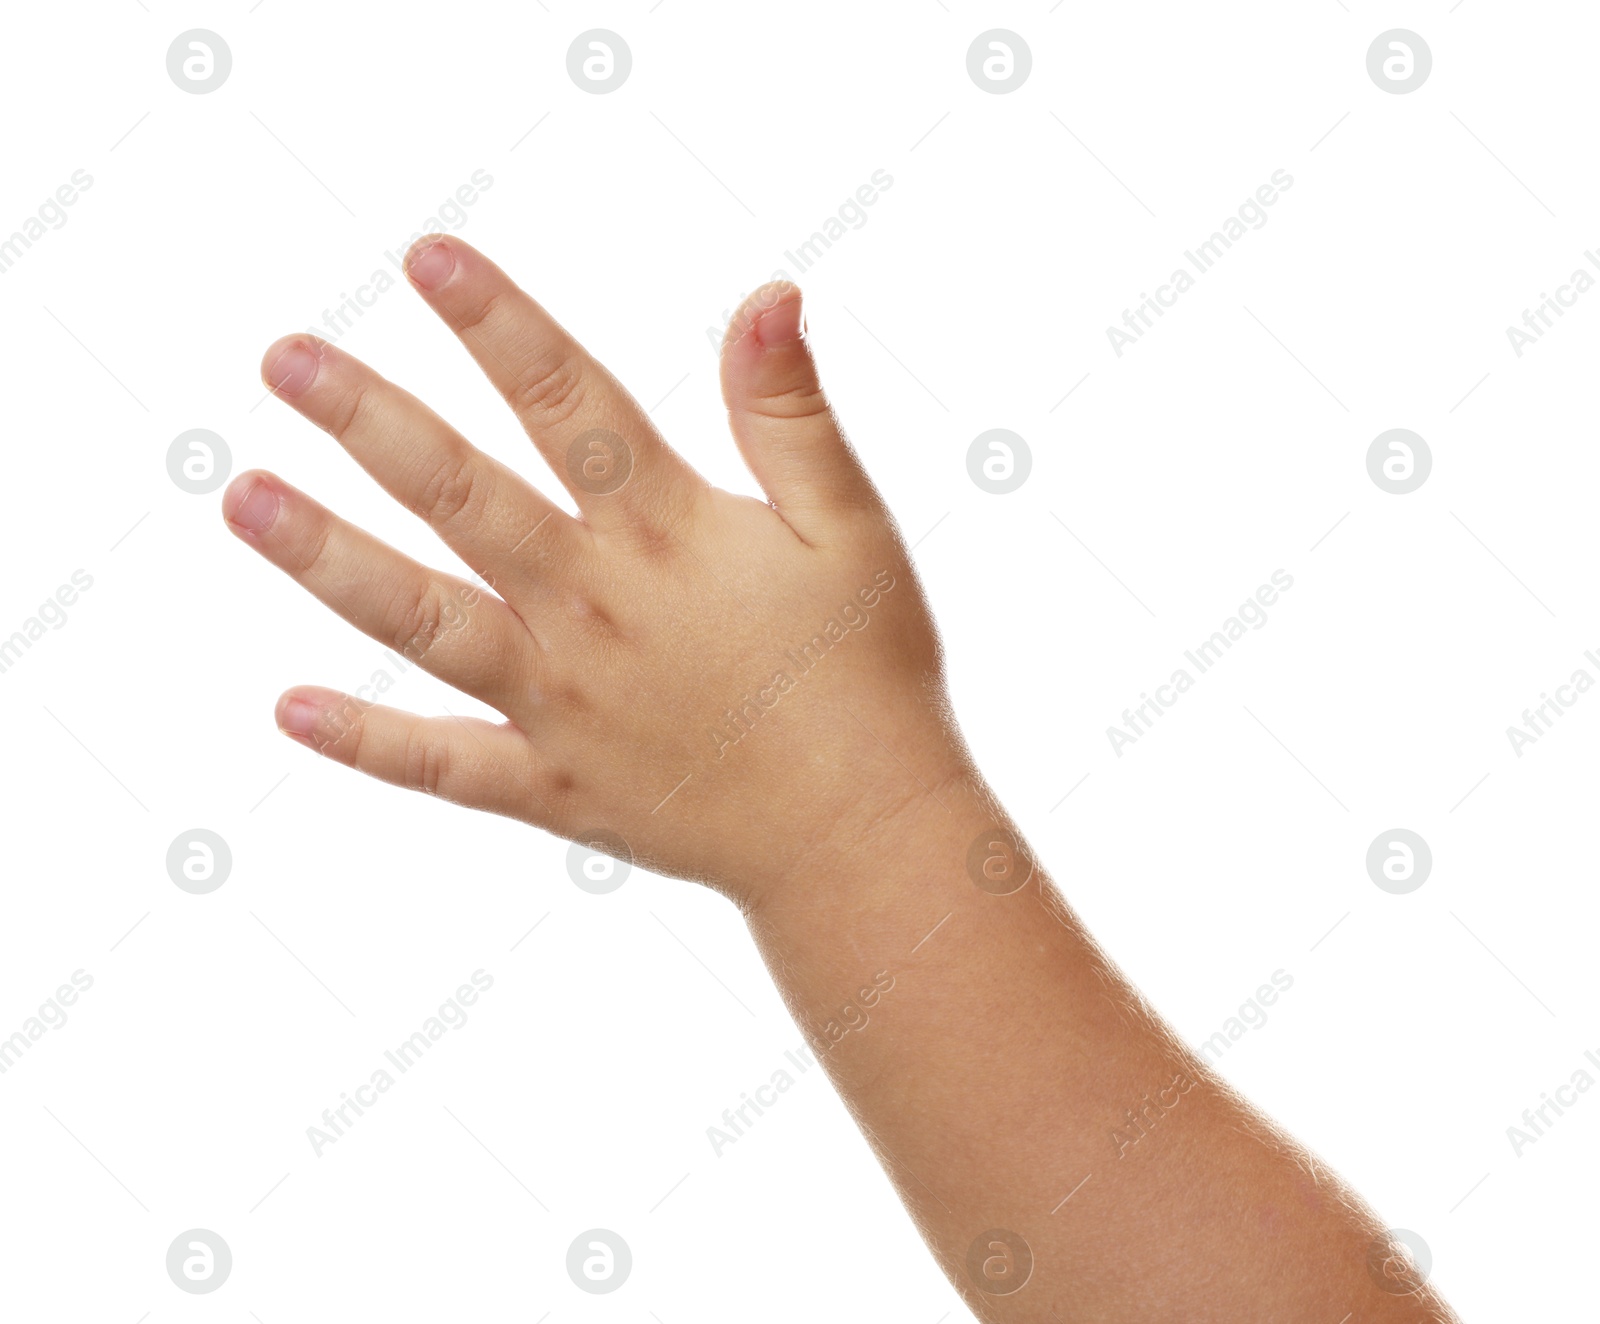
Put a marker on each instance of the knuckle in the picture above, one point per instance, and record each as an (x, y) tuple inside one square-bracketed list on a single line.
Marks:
[(343, 414), (340, 733), (791, 403), (450, 489), (419, 621), (317, 542), (481, 312), (662, 528), (427, 764), (656, 536), (550, 390), (303, 539)]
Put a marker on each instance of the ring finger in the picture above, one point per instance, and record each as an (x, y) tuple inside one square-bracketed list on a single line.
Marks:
[(449, 626)]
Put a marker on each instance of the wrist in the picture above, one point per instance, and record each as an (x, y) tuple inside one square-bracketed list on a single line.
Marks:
[(888, 861), (940, 923)]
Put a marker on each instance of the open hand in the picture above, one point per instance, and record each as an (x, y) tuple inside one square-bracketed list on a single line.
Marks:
[(721, 688)]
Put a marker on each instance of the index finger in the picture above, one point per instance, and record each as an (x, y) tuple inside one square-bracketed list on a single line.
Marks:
[(590, 431)]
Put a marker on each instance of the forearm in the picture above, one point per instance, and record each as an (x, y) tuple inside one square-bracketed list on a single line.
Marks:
[(737, 691), (1011, 1079)]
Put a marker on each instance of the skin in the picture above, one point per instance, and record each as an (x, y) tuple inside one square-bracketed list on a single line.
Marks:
[(648, 658)]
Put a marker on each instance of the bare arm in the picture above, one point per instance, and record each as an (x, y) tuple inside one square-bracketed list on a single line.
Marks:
[(751, 695), (1063, 1155)]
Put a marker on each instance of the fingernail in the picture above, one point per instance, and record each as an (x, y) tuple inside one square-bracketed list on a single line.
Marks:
[(293, 370), (297, 719), (431, 266), (253, 510), (782, 324)]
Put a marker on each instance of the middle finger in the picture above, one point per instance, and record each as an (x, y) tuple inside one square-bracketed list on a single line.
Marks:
[(498, 523)]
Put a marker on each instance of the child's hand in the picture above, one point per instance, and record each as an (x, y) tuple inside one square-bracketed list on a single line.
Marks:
[(749, 695), (733, 689)]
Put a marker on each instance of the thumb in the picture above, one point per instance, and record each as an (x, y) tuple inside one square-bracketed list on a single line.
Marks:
[(783, 424)]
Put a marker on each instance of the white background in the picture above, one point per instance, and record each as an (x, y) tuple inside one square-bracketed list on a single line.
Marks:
[(1224, 446)]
